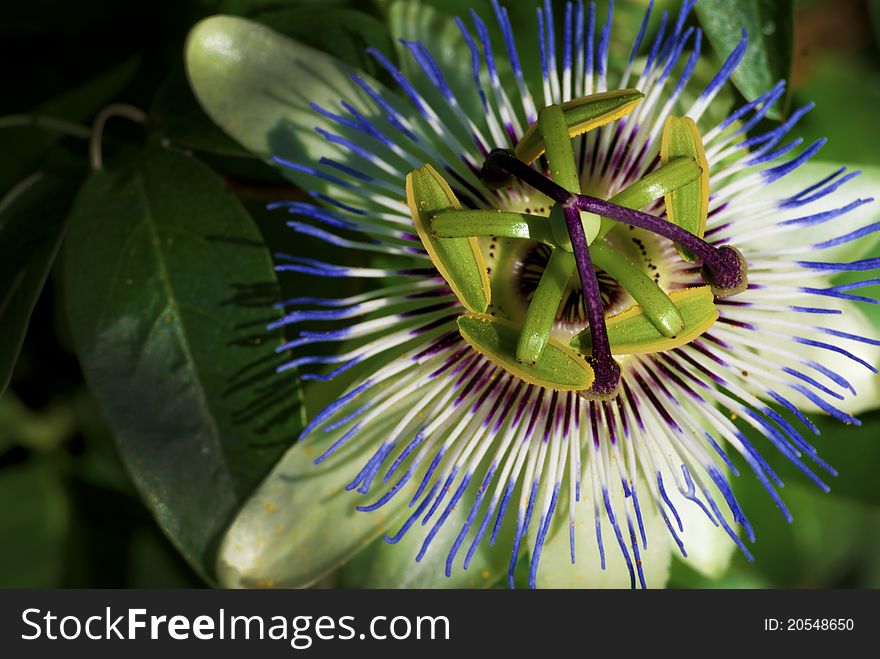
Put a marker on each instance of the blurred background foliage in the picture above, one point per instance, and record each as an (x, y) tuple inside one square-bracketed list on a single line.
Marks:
[(71, 514)]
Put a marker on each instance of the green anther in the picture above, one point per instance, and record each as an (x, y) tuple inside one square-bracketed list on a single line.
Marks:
[(673, 175), (554, 133), (581, 115), (498, 223), (544, 306), (632, 332), (560, 368), (459, 260), (688, 205), (655, 304)]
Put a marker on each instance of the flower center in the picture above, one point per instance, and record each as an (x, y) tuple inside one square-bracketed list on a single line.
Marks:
[(573, 270), (516, 268), (572, 313)]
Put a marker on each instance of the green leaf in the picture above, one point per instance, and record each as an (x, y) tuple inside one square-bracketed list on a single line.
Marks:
[(32, 222), (829, 539), (770, 28), (33, 526), (168, 290), (99, 464), (178, 117), (874, 10), (153, 562), (846, 96), (251, 7), (41, 431), (853, 452)]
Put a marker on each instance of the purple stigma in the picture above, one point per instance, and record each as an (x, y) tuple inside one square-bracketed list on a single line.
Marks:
[(607, 371), (724, 268)]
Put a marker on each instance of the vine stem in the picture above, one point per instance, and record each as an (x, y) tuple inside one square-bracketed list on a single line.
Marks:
[(49, 123), (97, 133)]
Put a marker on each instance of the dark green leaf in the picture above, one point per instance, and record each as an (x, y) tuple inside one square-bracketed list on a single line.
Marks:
[(874, 9), (251, 7), (98, 464), (769, 24), (31, 229), (153, 562), (826, 543), (169, 289), (853, 452), (41, 431), (178, 117), (33, 526), (846, 94)]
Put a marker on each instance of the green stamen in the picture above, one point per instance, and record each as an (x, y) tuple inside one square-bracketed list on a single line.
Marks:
[(544, 307), (676, 173), (500, 224), (688, 205), (554, 133), (459, 260), (631, 332), (656, 305), (560, 367)]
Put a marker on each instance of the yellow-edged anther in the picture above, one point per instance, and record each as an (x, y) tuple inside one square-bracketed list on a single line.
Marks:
[(459, 260), (688, 205), (632, 332), (582, 115), (558, 367)]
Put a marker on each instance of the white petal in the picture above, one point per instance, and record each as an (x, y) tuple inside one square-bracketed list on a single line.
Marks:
[(866, 383), (864, 186), (557, 571)]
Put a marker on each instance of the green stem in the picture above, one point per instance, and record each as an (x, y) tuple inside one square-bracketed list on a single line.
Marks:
[(656, 305), (544, 307), (18, 190), (47, 123), (96, 157)]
